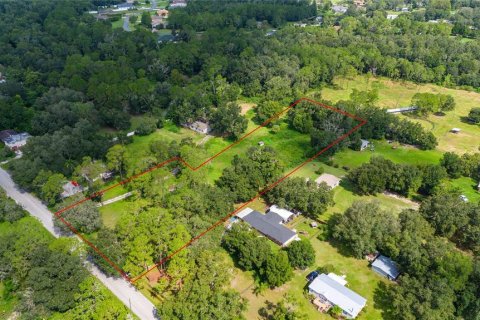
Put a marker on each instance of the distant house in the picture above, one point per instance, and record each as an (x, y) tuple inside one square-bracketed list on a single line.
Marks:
[(392, 16), (177, 4), (70, 188), (301, 25), (2, 78), (162, 13), (14, 140), (270, 33), (339, 9), (284, 213), (364, 144), (463, 198), (330, 291), (123, 7), (359, 3), (199, 126), (107, 175), (6, 134), (270, 225), (478, 187), (386, 267), (261, 143), (331, 180)]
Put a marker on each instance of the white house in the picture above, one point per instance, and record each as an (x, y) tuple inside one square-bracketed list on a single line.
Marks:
[(330, 291), (364, 144), (70, 188), (284, 213), (331, 180), (199, 126)]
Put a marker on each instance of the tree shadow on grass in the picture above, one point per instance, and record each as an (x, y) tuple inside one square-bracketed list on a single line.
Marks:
[(347, 185), (383, 301)]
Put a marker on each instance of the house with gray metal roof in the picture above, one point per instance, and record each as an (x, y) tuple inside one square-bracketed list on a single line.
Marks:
[(386, 267), (270, 225), (332, 292)]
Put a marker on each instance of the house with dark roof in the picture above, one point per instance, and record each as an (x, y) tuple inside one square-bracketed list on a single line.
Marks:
[(270, 225), (386, 267), (329, 290), (4, 134), (14, 140)]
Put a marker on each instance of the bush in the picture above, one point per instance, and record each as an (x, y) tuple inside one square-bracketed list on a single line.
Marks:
[(146, 126), (320, 170), (474, 115)]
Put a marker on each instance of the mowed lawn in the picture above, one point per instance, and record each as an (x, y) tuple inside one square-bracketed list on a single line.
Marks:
[(360, 277), (394, 94), (111, 213)]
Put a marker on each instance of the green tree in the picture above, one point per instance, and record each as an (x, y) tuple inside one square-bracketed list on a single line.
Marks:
[(301, 254), (146, 19), (277, 269), (452, 163), (84, 217), (474, 115), (228, 120), (107, 242), (267, 109), (116, 159), (52, 189)]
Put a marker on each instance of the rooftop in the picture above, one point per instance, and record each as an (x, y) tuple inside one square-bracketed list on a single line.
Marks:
[(331, 180), (387, 265), (283, 213), (333, 291), (268, 224)]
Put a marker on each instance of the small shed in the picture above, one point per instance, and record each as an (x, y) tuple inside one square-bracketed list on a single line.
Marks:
[(364, 144), (386, 267), (331, 180), (261, 143)]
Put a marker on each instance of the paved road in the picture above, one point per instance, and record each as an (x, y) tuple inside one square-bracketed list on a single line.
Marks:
[(133, 299)]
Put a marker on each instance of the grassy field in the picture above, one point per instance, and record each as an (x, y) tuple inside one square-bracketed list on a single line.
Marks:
[(360, 279), (112, 212), (6, 306), (394, 94)]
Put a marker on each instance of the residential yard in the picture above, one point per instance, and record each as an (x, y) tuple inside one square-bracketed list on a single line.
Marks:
[(6, 306), (395, 94), (359, 276), (111, 213)]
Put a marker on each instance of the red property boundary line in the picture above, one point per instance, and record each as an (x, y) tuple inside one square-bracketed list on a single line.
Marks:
[(222, 220)]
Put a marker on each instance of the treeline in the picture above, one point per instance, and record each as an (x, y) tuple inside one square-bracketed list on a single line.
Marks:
[(437, 279), (43, 277), (203, 15), (381, 174), (326, 126)]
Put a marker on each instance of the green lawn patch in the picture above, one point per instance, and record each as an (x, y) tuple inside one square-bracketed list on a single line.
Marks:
[(111, 213), (6, 305), (395, 94)]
